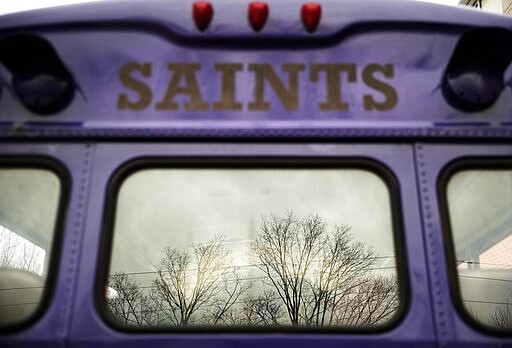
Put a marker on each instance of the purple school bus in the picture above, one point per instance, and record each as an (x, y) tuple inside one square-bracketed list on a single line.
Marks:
[(268, 173)]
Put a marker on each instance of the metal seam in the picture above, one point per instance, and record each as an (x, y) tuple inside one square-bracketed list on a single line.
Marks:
[(418, 133), (434, 256), (78, 220)]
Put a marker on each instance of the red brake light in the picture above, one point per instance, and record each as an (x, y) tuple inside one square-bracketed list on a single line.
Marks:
[(202, 12), (258, 15), (311, 13)]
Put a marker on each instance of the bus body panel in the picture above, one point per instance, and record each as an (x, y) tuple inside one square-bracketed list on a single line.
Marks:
[(415, 327), (52, 328), (373, 78), (452, 324)]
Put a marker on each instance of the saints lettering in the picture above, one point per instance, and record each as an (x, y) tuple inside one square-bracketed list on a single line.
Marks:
[(183, 90)]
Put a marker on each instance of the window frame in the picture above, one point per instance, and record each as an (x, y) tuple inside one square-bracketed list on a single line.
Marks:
[(122, 172), (446, 174), (62, 173)]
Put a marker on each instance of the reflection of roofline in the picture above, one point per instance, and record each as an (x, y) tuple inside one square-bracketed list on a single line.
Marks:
[(471, 3)]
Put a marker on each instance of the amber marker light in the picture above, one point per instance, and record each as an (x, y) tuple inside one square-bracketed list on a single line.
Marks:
[(202, 12), (311, 13), (258, 15)]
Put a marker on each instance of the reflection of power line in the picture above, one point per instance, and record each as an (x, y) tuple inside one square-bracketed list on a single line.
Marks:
[(487, 302), (22, 288), (484, 263), (265, 277), (262, 277), (19, 304), (245, 266), (273, 298), (279, 298), (486, 278)]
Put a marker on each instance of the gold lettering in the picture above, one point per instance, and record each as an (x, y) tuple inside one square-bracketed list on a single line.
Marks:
[(333, 82), (186, 72), (391, 97), (289, 97), (127, 80), (228, 98)]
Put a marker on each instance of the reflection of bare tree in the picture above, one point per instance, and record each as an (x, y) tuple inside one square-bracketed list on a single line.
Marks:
[(190, 282), (502, 319), (9, 244), (19, 253), (263, 309), (316, 273), (373, 300), (311, 276), (221, 309), (29, 258), (130, 305)]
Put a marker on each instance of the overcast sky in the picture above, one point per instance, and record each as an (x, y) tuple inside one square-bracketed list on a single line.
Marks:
[(7, 6)]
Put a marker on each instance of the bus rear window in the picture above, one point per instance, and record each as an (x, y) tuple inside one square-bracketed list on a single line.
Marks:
[(29, 199), (479, 204), (252, 247)]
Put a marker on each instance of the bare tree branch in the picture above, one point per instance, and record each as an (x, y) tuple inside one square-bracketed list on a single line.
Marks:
[(223, 303), (192, 282), (264, 309), (322, 277), (130, 305)]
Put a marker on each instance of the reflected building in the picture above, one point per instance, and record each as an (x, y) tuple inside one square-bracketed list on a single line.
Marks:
[(494, 6)]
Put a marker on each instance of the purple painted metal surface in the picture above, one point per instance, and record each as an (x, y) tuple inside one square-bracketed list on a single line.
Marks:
[(416, 327), (452, 330), (52, 329), (414, 41)]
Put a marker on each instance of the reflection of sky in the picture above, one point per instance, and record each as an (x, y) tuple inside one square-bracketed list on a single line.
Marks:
[(479, 203), (180, 207), (481, 218), (28, 204)]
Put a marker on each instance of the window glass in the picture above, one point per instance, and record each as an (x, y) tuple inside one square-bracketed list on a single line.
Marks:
[(252, 247), (479, 203), (28, 211)]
